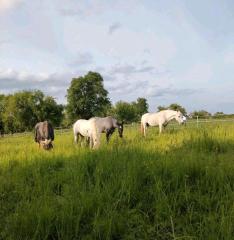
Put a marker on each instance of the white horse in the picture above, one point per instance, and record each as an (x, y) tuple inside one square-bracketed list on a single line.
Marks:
[(160, 119), (87, 129)]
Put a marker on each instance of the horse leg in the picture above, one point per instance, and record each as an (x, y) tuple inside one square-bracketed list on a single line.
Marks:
[(108, 135), (87, 139), (76, 137), (90, 142), (160, 128), (144, 129)]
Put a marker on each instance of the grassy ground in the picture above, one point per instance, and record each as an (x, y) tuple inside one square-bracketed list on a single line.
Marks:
[(179, 185)]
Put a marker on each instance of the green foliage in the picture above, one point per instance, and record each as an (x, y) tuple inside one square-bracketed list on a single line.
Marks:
[(222, 115), (23, 110), (87, 97), (179, 185), (200, 114), (124, 111), (129, 112), (173, 106), (160, 108), (177, 107), (141, 106)]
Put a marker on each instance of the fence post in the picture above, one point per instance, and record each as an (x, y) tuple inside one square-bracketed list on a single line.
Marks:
[(197, 121)]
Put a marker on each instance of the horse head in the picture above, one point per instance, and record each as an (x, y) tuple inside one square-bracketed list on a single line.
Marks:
[(46, 144), (179, 117), (120, 128)]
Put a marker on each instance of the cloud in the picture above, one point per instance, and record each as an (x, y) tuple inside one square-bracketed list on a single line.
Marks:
[(128, 69), (54, 84), (70, 12), (113, 28), (157, 91), (3, 42), (8, 4), (82, 59)]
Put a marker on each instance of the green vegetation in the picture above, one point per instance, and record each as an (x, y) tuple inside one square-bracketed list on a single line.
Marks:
[(22, 110), (173, 106), (179, 185), (129, 112), (87, 97)]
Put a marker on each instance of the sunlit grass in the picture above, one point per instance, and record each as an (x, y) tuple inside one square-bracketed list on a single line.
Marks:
[(177, 185)]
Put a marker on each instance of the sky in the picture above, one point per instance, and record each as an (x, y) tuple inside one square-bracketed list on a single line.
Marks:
[(178, 51)]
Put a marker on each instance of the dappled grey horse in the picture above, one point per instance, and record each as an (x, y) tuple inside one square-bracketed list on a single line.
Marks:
[(108, 125)]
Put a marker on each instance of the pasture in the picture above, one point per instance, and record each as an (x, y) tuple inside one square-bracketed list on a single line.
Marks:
[(179, 185)]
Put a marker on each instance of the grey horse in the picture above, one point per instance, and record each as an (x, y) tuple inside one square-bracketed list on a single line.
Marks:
[(108, 125)]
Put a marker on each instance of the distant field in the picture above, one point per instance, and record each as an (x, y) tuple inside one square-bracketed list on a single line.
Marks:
[(179, 185)]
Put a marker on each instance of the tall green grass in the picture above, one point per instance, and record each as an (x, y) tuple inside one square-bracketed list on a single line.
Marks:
[(179, 185)]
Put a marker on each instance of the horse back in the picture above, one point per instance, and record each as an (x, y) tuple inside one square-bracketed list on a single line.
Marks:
[(105, 123)]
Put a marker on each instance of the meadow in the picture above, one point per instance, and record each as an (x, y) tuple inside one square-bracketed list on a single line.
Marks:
[(179, 185)]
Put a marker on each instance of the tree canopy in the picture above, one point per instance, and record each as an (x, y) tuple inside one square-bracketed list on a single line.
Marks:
[(87, 97), (173, 106), (22, 110), (129, 112)]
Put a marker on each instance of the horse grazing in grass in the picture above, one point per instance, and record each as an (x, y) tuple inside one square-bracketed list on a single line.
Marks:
[(87, 129), (160, 119), (108, 125)]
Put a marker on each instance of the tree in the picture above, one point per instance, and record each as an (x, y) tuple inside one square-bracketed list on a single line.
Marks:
[(141, 106), (173, 106), (52, 111), (160, 108), (24, 109), (2, 109), (219, 115), (87, 97), (200, 114), (124, 111), (177, 107)]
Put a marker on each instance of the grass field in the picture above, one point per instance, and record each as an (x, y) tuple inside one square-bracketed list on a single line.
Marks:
[(179, 185)]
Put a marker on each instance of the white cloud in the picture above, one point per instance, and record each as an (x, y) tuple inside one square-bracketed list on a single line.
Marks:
[(54, 84), (114, 27), (84, 58), (8, 4)]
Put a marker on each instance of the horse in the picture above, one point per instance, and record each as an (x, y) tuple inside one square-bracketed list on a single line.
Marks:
[(160, 119), (87, 129), (44, 135), (108, 125)]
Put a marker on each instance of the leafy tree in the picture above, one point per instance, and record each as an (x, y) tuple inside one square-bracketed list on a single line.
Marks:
[(219, 115), (173, 106), (160, 108), (52, 111), (2, 109), (177, 107), (87, 97), (141, 106), (24, 109), (200, 114), (124, 111)]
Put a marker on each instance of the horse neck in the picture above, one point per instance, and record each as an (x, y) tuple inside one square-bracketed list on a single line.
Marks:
[(114, 123), (171, 117)]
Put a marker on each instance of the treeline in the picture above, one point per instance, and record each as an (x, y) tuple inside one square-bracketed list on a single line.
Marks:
[(86, 97), (22, 110)]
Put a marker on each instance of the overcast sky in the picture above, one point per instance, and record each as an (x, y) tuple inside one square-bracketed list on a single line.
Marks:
[(166, 51)]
